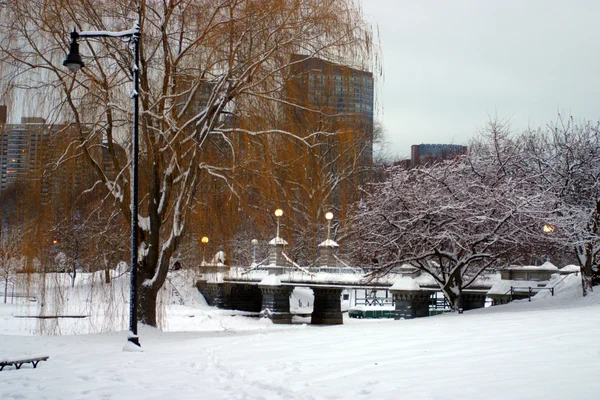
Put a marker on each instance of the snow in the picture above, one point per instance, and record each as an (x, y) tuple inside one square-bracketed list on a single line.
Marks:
[(271, 280), (564, 286), (343, 275), (547, 266), (135, 30), (504, 352), (520, 286), (406, 283), (132, 348), (278, 241), (570, 269), (329, 243)]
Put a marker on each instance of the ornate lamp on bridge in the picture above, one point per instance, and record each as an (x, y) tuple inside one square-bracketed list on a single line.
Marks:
[(204, 241), (278, 214), (74, 62), (328, 248), (276, 258), (254, 244), (329, 217)]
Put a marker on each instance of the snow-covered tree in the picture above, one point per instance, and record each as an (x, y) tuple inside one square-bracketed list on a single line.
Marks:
[(565, 163), (11, 256), (453, 219), (211, 98)]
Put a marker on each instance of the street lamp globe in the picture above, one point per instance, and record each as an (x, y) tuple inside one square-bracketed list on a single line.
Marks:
[(254, 244), (278, 213), (548, 228), (329, 217), (204, 239)]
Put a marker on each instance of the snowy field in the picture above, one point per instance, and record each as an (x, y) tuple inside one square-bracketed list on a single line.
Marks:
[(546, 349)]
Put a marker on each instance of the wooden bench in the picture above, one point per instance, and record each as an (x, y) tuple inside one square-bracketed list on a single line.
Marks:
[(18, 363)]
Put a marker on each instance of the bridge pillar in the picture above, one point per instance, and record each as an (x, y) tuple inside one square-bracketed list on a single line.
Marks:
[(276, 259), (327, 251), (471, 301), (208, 291), (411, 301), (327, 306), (246, 297), (276, 301), (411, 304), (220, 294)]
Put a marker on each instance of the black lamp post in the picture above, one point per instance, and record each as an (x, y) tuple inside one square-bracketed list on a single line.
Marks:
[(73, 62)]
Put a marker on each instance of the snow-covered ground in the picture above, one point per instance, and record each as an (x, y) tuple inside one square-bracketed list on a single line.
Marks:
[(544, 349)]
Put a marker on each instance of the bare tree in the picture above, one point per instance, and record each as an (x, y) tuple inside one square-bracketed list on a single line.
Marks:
[(11, 256)]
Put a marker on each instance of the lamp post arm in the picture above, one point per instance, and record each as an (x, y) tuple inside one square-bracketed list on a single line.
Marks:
[(135, 30)]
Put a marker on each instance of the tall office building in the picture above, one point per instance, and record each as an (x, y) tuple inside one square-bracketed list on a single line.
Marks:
[(334, 98)]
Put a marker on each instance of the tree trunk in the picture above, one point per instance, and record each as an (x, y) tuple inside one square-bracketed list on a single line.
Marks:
[(453, 291), (106, 269), (147, 305), (74, 275), (586, 270)]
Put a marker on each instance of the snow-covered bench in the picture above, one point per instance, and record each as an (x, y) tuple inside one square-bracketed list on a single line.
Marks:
[(18, 363)]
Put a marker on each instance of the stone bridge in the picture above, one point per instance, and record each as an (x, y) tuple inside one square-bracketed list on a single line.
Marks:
[(266, 289)]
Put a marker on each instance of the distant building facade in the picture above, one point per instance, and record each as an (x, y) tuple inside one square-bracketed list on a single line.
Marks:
[(20, 149), (29, 154), (424, 153), (343, 97)]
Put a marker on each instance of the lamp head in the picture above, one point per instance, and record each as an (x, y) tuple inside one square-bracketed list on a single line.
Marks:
[(204, 239), (73, 61), (278, 212), (329, 216), (254, 242)]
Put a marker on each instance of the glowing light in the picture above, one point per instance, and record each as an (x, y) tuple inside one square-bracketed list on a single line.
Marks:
[(278, 212), (204, 239), (329, 216), (548, 228)]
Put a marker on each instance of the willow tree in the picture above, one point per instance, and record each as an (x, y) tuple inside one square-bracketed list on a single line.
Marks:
[(211, 81)]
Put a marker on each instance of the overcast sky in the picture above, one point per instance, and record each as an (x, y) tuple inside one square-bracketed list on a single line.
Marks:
[(451, 64)]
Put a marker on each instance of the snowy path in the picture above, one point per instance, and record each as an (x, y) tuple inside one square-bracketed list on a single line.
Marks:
[(520, 351)]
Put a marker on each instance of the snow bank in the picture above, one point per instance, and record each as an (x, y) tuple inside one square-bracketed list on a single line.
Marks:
[(565, 287), (426, 358)]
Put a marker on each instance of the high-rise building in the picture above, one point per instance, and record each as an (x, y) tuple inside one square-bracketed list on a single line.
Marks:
[(334, 98), (41, 153), (20, 149)]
